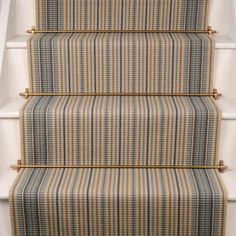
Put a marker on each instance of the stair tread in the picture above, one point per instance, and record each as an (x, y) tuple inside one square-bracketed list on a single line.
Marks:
[(229, 178), (222, 41), (228, 107), (18, 41), (7, 176), (11, 106), (103, 197)]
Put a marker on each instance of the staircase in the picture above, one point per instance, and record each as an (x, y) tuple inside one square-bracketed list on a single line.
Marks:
[(15, 78)]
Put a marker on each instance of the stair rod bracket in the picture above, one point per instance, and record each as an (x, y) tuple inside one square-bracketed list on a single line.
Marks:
[(216, 94), (220, 167), (25, 94), (28, 94), (209, 31)]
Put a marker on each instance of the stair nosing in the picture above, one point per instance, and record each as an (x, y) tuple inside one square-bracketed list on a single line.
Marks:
[(5, 197)]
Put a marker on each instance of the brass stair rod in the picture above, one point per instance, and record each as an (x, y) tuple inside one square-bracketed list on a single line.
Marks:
[(209, 31), (221, 167), (27, 94)]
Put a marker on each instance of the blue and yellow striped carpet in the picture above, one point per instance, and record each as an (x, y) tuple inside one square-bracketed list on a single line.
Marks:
[(116, 140), (118, 202), (122, 14), (120, 130), (121, 62)]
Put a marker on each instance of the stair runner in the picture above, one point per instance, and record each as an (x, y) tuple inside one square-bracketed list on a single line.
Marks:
[(118, 139)]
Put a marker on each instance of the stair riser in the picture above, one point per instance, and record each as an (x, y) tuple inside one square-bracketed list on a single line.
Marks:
[(10, 142), (17, 74), (224, 71), (5, 216), (227, 148)]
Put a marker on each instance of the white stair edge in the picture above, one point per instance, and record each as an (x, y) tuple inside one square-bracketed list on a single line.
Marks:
[(18, 41), (228, 107), (7, 177), (9, 108), (229, 179), (222, 42)]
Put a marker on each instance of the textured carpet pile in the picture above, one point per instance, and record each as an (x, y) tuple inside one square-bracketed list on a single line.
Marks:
[(119, 131)]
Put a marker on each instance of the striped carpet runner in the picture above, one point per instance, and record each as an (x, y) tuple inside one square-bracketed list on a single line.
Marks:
[(120, 130), (122, 14), (118, 202), (118, 62), (113, 142)]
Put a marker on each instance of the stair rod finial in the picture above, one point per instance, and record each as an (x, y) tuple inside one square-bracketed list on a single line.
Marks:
[(216, 94), (16, 167), (222, 167), (25, 94), (210, 30), (32, 30)]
